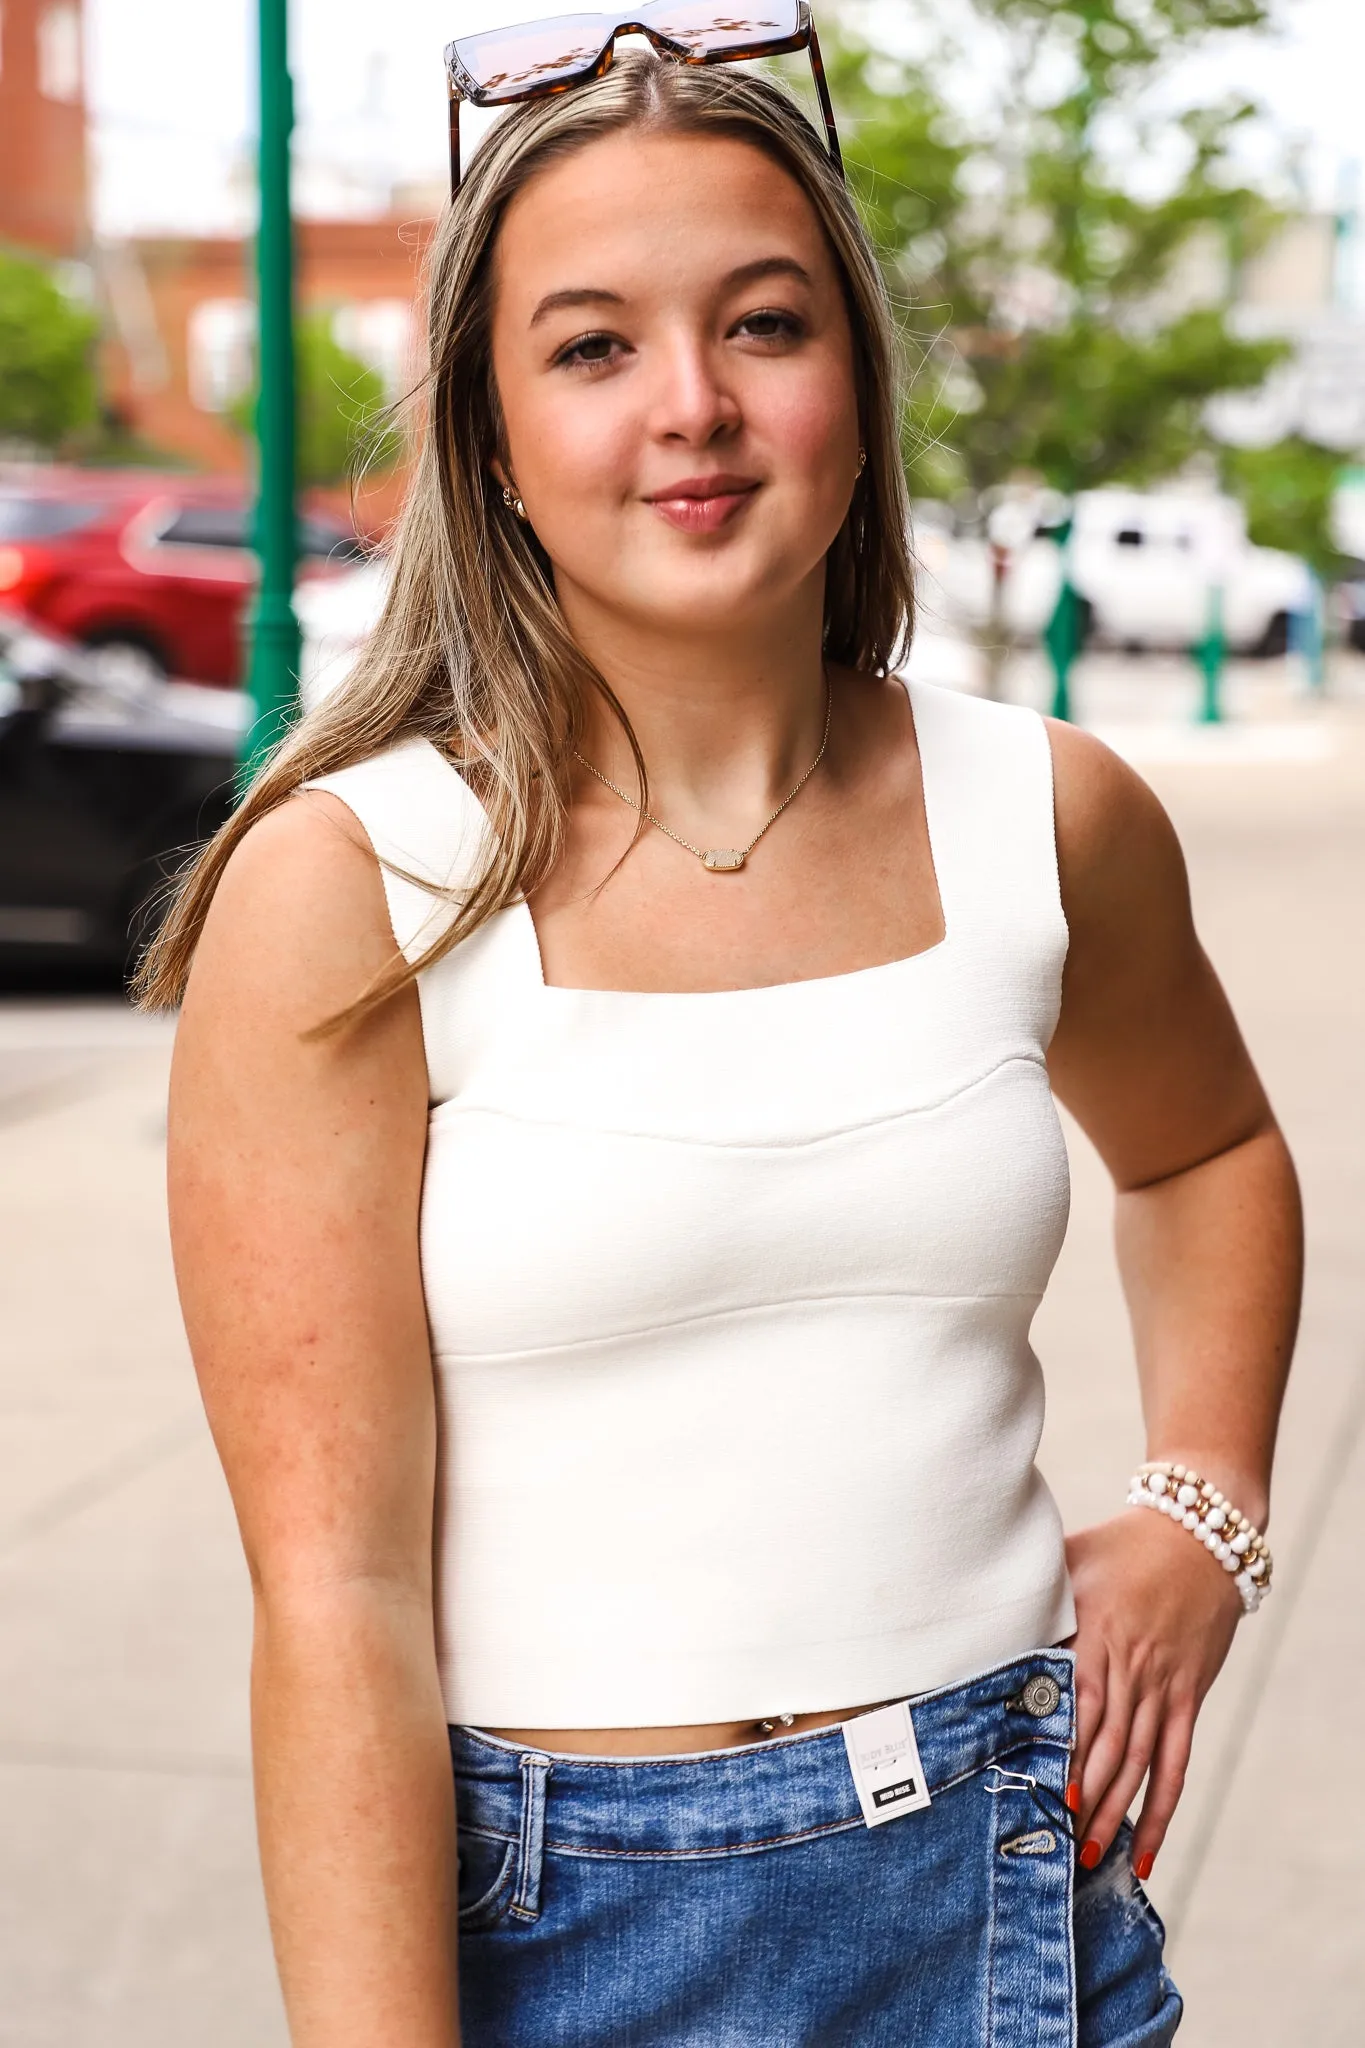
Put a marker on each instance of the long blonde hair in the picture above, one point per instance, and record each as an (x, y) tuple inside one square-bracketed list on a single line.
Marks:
[(471, 649)]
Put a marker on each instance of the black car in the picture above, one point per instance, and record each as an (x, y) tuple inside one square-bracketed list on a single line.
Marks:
[(104, 787)]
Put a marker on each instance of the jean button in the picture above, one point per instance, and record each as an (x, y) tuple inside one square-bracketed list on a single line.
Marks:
[(1040, 1697)]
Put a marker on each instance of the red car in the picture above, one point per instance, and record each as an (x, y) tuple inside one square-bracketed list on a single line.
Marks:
[(154, 569)]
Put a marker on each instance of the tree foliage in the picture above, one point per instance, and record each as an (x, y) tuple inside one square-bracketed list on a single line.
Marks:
[(1068, 320), (47, 378), (339, 404), (1288, 490)]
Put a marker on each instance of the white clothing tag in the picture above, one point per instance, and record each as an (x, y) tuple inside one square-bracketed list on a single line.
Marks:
[(884, 1759)]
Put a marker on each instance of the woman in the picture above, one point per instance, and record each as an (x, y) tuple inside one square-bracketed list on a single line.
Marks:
[(614, 1170)]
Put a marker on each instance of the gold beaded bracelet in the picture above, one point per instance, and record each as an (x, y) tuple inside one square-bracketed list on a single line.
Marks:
[(1180, 1493)]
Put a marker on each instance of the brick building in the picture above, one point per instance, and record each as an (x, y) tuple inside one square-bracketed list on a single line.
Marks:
[(182, 318), (179, 311), (43, 199)]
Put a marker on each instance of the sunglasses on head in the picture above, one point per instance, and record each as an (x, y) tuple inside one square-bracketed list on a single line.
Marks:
[(539, 58)]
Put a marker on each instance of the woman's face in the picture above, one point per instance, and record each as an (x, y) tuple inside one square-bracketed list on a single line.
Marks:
[(674, 360)]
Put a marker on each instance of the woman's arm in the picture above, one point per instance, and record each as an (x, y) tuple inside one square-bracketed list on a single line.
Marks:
[(295, 1172), (1148, 1058)]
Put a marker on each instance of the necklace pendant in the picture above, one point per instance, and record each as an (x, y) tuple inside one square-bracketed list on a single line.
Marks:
[(722, 860)]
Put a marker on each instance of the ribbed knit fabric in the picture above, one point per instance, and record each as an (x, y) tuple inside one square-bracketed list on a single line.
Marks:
[(730, 1294)]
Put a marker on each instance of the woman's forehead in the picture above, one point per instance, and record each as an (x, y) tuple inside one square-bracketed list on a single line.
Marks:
[(653, 205)]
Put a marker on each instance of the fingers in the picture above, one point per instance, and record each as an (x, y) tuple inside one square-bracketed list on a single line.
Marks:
[(1105, 1750), (1131, 1767), (1165, 1785), (1091, 1689)]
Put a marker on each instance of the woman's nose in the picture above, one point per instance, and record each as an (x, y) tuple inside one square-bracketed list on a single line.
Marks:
[(693, 400)]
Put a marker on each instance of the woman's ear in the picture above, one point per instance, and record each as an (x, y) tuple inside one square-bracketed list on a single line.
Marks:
[(500, 474)]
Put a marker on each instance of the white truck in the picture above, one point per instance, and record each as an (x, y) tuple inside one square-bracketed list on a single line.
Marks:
[(1146, 565)]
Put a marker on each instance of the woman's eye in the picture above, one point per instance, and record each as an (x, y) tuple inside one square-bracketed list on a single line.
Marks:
[(589, 352), (770, 325)]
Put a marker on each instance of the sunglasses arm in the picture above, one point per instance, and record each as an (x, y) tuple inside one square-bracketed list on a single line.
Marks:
[(817, 65), (454, 141)]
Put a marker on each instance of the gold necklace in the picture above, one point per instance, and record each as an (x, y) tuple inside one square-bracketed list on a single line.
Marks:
[(718, 860)]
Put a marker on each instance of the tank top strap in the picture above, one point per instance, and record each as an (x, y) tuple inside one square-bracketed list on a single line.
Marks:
[(987, 771), (429, 832)]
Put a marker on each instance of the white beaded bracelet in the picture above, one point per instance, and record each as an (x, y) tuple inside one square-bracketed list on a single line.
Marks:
[(1227, 1535)]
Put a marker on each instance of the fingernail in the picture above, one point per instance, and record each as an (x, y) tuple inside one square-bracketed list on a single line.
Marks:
[(1143, 1866), (1091, 1854), (1073, 1797)]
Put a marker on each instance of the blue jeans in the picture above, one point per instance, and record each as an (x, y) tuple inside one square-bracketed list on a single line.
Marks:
[(738, 1900)]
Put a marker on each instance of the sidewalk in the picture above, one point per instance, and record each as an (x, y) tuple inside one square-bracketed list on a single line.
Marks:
[(133, 1912), (1262, 1881)]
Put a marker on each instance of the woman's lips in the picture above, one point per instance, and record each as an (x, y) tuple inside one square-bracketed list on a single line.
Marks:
[(702, 504)]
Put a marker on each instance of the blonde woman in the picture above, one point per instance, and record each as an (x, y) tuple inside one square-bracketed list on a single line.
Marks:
[(614, 1169)]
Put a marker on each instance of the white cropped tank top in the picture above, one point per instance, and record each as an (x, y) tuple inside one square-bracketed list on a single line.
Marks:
[(730, 1294)]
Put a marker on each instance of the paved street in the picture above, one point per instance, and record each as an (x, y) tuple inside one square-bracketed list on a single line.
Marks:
[(132, 1915)]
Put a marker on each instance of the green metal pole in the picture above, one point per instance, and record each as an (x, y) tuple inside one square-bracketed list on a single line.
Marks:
[(1314, 641), (1211, 656), (273, 677), (1062, 634)]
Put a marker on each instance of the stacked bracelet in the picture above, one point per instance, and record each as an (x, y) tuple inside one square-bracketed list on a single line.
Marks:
[(1195, 1503)]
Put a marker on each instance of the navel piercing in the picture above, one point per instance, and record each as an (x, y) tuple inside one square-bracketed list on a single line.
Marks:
[(778, 1721), (512, 501)]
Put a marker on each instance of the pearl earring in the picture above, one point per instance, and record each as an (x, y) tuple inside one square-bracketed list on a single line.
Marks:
[(512, 501)]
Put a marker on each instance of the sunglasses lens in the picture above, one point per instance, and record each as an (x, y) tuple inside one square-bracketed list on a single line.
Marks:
[(506, 63), (706, 25)]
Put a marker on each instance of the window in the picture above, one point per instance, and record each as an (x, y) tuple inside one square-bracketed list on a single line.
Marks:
[(207, 526), (44, 518), (379, 332), (221, 340), (225, 526), (59, 52)]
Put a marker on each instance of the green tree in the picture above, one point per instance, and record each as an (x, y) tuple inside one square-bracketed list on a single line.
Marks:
[(47, 378), (340, 407), (1050, 303), (1287, 490)]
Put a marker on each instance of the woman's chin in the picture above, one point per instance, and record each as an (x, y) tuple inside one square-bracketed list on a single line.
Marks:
[(692, 606)]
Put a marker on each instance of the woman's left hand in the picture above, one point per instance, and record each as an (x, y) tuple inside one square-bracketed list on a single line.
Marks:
[(1155, 1617)]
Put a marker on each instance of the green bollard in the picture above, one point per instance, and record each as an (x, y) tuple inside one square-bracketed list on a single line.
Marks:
[(1062, 637), (1308, 638), (1211, 657)]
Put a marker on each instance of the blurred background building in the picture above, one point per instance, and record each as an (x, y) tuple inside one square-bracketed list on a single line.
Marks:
[(176, 312), (182, 320), (44, 201)]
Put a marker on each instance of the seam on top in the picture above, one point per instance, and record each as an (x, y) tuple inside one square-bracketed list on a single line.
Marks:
[(720, 1315), (456, 1106), (805, 1738)]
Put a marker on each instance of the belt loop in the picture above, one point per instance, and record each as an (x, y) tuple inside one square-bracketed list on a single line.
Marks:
[(534, 1772)]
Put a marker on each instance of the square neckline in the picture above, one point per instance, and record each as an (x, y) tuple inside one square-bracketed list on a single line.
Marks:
[(902, 961)]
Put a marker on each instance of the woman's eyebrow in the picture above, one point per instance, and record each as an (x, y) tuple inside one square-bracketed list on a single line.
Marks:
[(598, 295), (580, 295), (769, 266)]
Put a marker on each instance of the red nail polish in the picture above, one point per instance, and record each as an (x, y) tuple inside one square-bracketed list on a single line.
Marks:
[(1091, 1854), (1143, 1866), (1073, 1797)]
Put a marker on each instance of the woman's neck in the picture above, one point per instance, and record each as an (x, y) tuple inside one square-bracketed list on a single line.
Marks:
[(721, 719)]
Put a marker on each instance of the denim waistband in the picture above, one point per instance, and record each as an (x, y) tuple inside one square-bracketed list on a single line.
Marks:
[(765, 1792)]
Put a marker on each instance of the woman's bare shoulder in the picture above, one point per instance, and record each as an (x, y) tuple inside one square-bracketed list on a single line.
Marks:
[(298, 924), (1117, 851)]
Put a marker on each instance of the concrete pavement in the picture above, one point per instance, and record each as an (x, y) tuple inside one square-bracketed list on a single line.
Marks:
[(132, 1915)]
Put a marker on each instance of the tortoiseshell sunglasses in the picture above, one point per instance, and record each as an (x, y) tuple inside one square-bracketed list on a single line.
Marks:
[(538, 58)]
